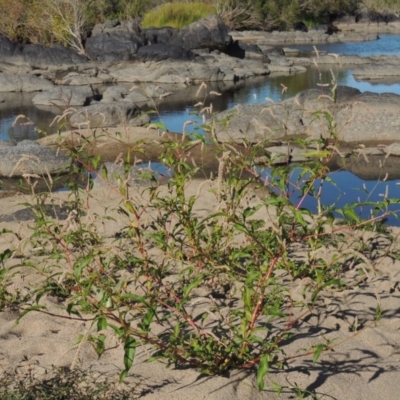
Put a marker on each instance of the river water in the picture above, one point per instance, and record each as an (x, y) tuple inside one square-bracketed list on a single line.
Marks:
[(348, 187)]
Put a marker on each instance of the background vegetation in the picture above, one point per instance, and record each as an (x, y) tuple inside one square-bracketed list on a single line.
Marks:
[(177, 15), (70, 21)]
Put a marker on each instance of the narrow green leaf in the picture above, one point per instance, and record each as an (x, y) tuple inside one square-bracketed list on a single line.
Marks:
[(100, 344), (129, 352), (101, 324), (317, 352), (262, 371), (193, 284), (78, 266)]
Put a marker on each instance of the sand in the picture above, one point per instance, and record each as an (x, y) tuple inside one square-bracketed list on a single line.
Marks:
[(363, 364)]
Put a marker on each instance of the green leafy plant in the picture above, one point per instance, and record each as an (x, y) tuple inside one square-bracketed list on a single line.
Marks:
[(203, 272)]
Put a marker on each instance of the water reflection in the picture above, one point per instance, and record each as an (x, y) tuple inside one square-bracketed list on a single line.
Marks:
[(15, 104), (386, 45), (345, 188)]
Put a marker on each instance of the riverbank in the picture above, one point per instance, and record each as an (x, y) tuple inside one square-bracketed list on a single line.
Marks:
[(359, 322)]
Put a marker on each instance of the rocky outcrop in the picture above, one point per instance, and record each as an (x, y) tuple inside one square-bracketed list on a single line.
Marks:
[(208, 33), (23, 83), (351, 115), (30, 158), (114, 41), (106, 115), (209, 68), (65, 96), (160, 52), (242, 50), (378, 71), (38, 55), (121, 93), (316, 35)]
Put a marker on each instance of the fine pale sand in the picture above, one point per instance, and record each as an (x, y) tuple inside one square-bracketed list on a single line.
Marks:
[(363, 364)]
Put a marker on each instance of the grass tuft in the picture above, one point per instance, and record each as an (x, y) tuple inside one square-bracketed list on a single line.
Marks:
[(177, 15)]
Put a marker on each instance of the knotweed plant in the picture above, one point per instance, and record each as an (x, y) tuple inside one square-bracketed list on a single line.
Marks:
[(205, 273)]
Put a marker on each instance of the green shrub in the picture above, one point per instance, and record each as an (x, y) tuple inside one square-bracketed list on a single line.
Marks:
[(177, 15)]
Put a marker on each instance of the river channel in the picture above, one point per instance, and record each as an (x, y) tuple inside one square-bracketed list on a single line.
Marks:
[(348, 186)]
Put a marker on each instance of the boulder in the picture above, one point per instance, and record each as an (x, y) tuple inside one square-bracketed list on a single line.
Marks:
[(114, 94), (257, 122), (23, 83), (158, 35), (106, 115), (209, 32), (28, 157), (351, 115), (121, 93), (116, 42), (65, 96), (243, 50)]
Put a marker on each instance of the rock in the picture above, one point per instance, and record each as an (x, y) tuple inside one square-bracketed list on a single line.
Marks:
[(116, 42), (173, 72), (28, 157), (23, 83), (391, 150), (209, 32), (290, 52), (372, 167), (106, 115), (38, 55), (158, 35), (243, 50), (160, 52), (114, 94), (356, 116), (257, 122), (81, 79), (377, 71), (65, 96), (121, 93), (154, 91), (286, 154), (135, 97)]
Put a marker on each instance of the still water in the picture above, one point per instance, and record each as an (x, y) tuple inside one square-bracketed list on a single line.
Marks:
[(348, 187)]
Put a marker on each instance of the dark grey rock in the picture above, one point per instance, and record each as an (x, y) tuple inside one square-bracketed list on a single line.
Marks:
[(38, 55), (115, 44), (159, 52), (209, 32), (158, 35), (243, 50)]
